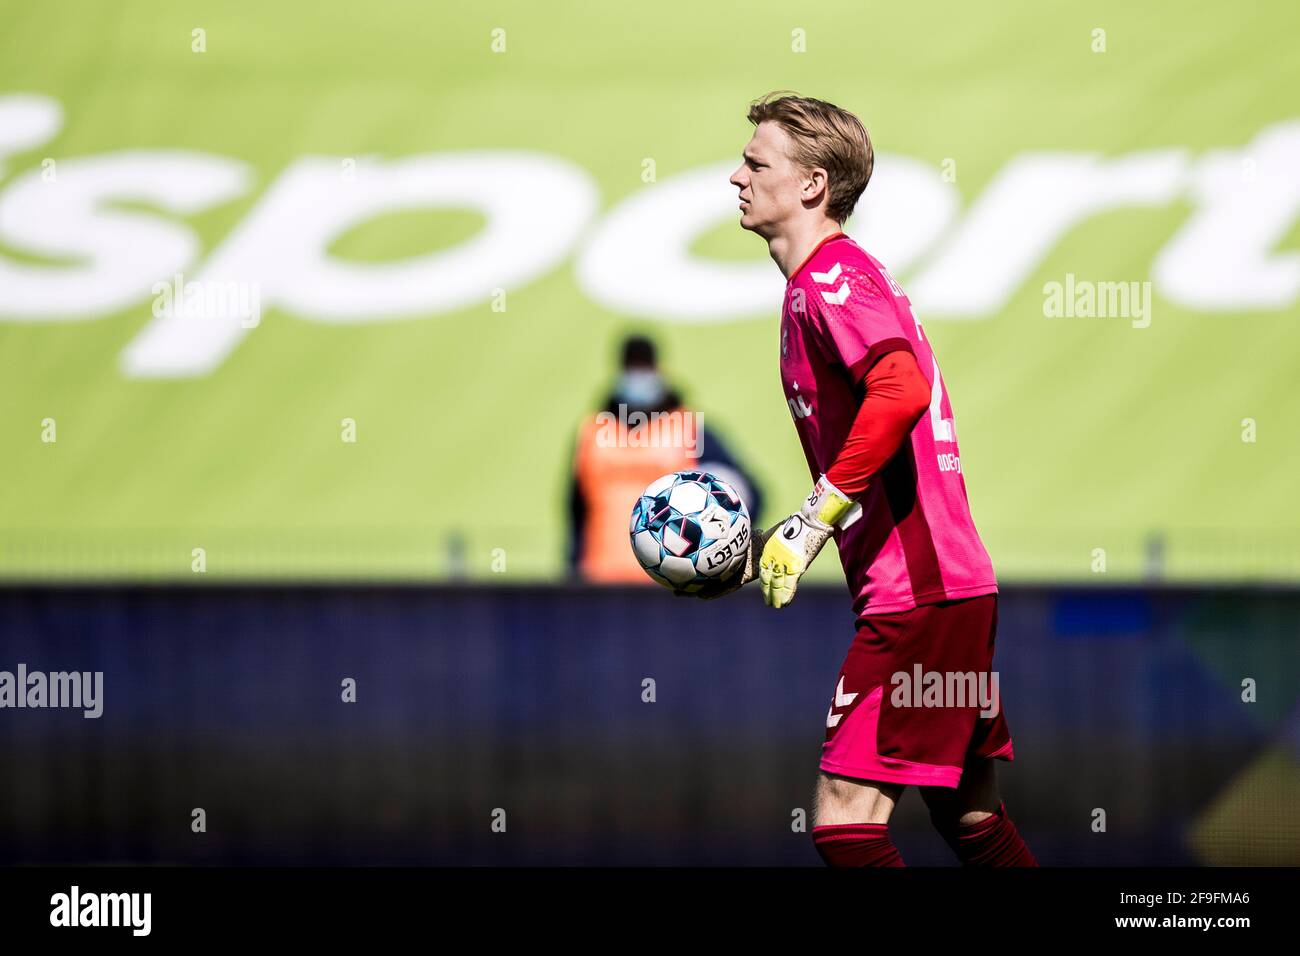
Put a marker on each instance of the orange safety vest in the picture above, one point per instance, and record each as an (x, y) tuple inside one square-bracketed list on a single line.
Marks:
[(613, 464)]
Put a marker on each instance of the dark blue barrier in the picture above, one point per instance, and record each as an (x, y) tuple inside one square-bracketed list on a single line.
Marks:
[(530, 701)]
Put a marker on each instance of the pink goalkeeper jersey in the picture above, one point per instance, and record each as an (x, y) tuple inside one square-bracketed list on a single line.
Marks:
[(915, 542)]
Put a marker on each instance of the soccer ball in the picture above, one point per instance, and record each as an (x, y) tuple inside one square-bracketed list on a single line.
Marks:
[(690, 531)]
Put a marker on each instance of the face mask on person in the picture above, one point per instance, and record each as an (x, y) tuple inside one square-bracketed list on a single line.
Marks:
[(640, 388)]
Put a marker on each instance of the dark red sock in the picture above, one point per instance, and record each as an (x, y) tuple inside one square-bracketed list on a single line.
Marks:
[(856, 844), (994, 841)]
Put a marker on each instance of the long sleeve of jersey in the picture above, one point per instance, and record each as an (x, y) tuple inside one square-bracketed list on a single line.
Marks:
[(897, 394)]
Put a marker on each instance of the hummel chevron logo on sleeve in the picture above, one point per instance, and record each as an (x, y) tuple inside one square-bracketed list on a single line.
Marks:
[(828, 278), (838, 296)]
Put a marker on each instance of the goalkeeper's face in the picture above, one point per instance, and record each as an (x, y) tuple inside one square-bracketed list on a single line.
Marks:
[(770, 183)]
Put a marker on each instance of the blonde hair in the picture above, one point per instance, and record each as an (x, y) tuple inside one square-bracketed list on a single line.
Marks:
[(823, 135)]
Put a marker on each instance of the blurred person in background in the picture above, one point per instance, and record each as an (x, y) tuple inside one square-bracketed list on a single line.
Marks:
[(644, 431)]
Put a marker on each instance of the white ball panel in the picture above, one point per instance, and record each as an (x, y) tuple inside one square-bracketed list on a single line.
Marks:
[(677, 570), (646, 548), (715, 522), (660, 484), (688, 497)]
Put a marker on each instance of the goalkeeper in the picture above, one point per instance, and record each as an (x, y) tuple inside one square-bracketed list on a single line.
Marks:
[(878, 432)]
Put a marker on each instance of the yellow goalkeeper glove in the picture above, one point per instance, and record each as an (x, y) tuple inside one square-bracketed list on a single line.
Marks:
[(792, 545)]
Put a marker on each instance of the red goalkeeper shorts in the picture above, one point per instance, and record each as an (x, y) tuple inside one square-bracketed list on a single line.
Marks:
[(917, 696)]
